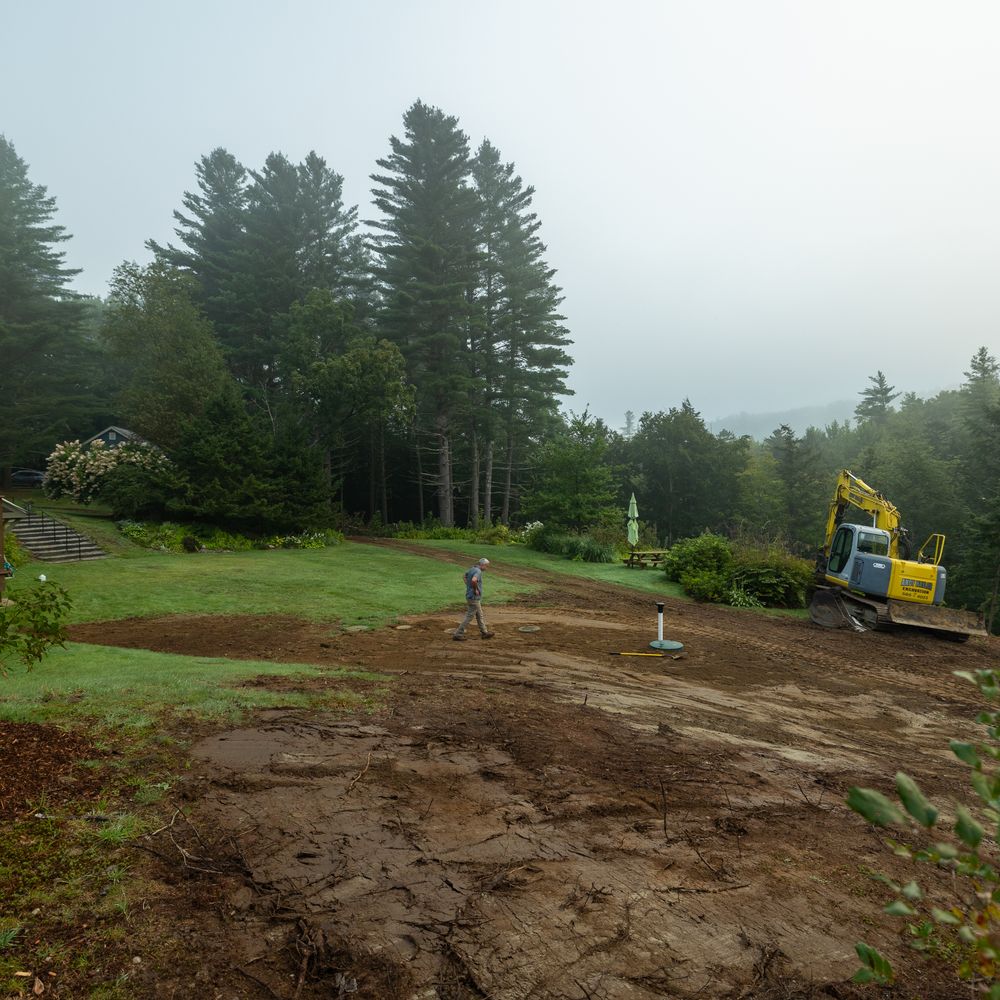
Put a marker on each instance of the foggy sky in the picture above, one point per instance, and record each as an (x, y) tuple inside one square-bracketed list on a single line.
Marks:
[(749, 203)]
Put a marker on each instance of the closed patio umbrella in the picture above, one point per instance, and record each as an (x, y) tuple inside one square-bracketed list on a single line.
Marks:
[(633, 522)]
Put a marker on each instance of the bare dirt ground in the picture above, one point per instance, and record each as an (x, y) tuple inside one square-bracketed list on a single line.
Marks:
[(533, 817)]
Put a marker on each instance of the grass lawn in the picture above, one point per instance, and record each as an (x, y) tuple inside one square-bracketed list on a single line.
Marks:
[(650, 581), (356, 584), (136, 689)]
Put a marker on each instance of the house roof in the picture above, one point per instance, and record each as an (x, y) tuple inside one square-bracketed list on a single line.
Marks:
[(123, 432)]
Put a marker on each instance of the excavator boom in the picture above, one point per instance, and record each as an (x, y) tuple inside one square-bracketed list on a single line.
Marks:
[(852, 491)]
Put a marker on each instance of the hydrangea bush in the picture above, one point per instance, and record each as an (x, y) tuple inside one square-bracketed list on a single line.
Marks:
[(78, 472)]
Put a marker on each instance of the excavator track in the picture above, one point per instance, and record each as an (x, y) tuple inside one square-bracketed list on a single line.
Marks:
[(834, 608)]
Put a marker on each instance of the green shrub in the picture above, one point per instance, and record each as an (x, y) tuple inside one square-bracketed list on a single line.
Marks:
[(13, 551), (489, 534), (706, 585), (710, 568), (494, 534), (220, 540), (549, 539), (431, 532), (164, 536), (739, 598), (588, 549), (560, 543), (169, 537), (305, 540), (772, 577), (704, 553)]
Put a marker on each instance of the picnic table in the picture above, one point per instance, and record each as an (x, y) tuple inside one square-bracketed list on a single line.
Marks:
[(641, 558)]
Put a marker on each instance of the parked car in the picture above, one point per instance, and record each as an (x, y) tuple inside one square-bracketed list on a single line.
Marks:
[(27, 477)]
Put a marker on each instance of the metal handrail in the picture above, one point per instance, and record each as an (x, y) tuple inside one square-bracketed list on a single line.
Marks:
[(60, 534)]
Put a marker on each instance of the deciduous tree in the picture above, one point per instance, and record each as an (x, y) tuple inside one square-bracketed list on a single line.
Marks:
[(164, 349), (571, 485)]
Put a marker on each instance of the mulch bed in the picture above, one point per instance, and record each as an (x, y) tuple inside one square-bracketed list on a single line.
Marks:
[(41, 764)]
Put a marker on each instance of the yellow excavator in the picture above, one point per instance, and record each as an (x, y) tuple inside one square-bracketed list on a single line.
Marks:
[(865, 578)]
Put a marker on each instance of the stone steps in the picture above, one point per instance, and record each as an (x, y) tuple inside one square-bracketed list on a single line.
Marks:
[(52, 541)]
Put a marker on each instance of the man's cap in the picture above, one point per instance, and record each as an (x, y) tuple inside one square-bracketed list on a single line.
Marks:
[(484, 562)]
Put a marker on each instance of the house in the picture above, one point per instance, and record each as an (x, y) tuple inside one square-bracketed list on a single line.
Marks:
[(113, 436)]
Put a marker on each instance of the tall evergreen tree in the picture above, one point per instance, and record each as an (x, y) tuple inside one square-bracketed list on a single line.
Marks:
[(876, 400), (521, 355), (983, 369), (213, 239), (981, 389), (49, 375), (258, 241), (427, 257), (804, 492), (333, 255)]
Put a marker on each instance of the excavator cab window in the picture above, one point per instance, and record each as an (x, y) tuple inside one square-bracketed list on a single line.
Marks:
[(840, 551), (876, 545)]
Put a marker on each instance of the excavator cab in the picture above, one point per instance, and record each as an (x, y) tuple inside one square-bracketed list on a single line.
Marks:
[(860, 562)]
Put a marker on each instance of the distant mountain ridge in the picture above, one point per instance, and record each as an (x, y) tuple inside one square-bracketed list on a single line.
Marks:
[(760, 425)]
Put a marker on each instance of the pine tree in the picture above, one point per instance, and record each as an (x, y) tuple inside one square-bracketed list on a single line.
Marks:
[(981, 388), (426, 267), (49, 375), (521, 357), (213, 234), (876, 400), (803, 488), (333, 256), (258, 241)]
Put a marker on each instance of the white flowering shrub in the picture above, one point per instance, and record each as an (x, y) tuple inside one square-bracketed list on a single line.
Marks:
[(79, 473), (529, 531)]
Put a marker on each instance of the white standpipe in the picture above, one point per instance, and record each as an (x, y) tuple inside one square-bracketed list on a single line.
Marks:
[(661, 643)]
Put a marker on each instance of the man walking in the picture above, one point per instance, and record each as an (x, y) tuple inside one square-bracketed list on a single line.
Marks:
[(473, 600)]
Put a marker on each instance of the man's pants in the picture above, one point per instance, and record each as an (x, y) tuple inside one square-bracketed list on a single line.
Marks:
[(474, 608)]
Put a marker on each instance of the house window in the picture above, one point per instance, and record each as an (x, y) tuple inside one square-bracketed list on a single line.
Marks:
[(112, 436)]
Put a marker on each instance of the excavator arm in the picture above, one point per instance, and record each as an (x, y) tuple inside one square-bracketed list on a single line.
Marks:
[(854, 492)]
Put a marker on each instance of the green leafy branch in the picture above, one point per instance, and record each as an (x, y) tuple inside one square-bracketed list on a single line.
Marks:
[(975, 920), (33, 624)]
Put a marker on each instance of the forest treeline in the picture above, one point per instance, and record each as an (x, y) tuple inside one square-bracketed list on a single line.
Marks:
[(301, 366)]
